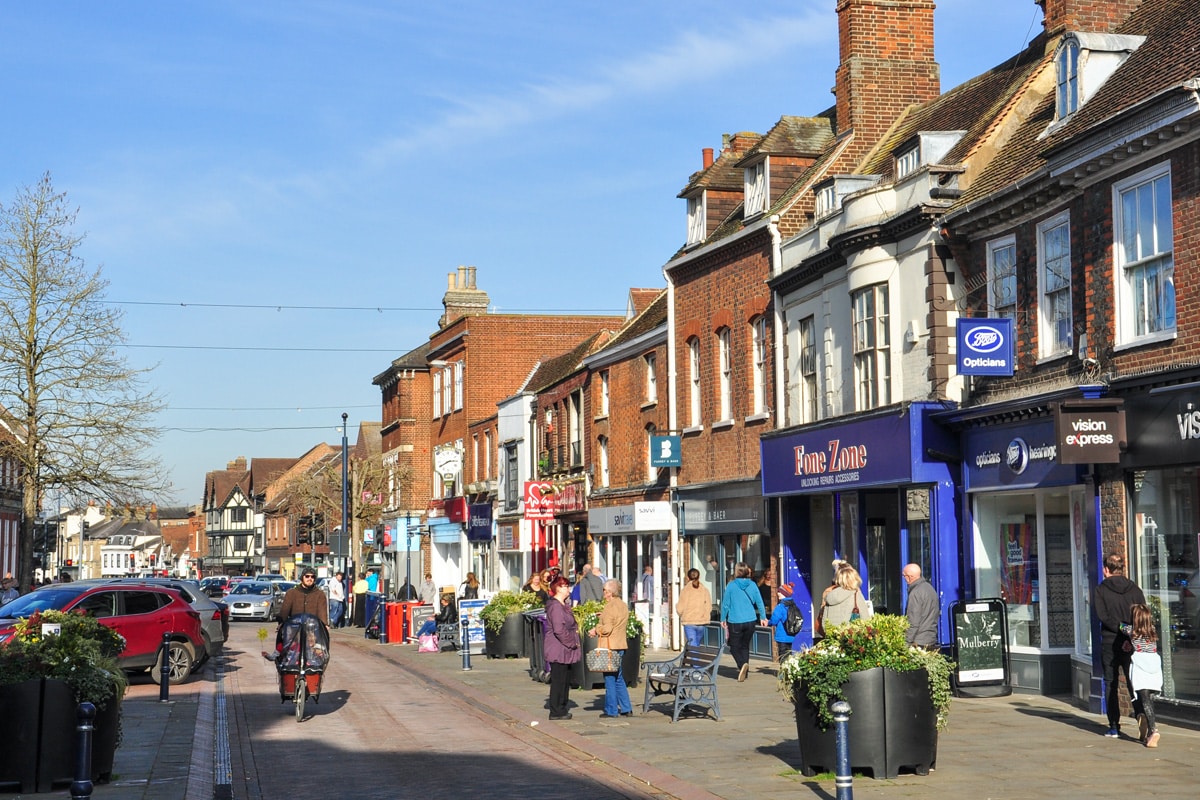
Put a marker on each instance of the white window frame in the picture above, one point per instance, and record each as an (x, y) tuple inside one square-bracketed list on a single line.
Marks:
[(1144, 259), (908, 161), (758, 356), (697, 218), (447, 390), (604, 393), (1066, 70), (1002, 255), (871, 325), (725, 361), (650, 360), (487, 455), (806, 340), (755, 183), (437, 394), (694, 416), (602, 443), (475, 458), (1055, 320), (459, 368)]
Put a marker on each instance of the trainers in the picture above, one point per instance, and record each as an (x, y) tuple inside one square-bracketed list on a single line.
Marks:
[(1113, 733), (1143, 727), (1152, 739), (743, 672)]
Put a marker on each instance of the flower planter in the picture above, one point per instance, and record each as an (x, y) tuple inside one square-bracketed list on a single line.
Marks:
[(509, 641), (893, 725), (40, 717), (631, 665)]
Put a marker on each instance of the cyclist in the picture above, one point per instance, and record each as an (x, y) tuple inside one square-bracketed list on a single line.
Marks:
[(305, 599)]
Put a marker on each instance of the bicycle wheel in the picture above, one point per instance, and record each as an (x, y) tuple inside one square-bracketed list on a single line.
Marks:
[(301, 695)]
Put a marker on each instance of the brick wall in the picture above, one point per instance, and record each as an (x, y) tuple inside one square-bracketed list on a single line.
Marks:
[(625, 425), (1095, 16)]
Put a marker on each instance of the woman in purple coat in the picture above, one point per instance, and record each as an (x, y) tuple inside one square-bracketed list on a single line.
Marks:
[(562, 646)]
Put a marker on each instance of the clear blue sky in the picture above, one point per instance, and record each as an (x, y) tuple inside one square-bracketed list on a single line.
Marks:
[(322, 159)]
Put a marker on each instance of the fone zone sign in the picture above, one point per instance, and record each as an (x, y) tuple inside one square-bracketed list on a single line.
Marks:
[(1090, 431)]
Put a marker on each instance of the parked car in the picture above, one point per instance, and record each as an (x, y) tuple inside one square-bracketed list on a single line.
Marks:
[(214, 619), (254, 600), (139, 612), (270, 576), (215, 585)]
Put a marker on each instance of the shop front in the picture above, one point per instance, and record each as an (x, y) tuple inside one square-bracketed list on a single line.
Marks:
[(627, 539), (448, 548), (1033, 538), (480, 538), (513, 567), (1161, 475), (878, 491), (724, 524)]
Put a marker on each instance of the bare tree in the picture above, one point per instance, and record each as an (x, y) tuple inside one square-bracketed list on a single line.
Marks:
[(81, 415)]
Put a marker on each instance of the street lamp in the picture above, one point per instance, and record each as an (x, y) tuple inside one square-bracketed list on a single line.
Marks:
[(408, 556)]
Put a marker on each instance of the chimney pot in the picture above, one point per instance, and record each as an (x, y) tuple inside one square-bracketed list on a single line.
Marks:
[(708, 157)]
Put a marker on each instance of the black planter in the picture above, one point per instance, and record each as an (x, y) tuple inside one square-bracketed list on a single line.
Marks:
[(893, 725), (631, 665), (509, 642), (40, 717)]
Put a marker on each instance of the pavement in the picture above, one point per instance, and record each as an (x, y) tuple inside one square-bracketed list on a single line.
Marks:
[(1023, 746)]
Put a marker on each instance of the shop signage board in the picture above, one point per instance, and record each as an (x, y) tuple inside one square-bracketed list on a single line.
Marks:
[(470, 611), (873, 451), (1090, 431), (1015, 456), (980, 648), (539, 500), (665, 451), (479, 522), (985, 346)]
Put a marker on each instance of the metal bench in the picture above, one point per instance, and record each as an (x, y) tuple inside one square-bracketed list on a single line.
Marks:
[(690, 679)]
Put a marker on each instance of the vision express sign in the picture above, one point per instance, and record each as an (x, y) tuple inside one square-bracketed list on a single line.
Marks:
[(1090, 431)]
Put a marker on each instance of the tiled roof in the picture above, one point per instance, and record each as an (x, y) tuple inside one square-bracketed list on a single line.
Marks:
[(794, 136), (639, 299), (724, 174), (219, 485), (561, 367), (652, 317)]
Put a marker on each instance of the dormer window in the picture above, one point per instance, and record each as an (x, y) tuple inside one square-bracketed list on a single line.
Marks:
[(755, 184), (696, 230), (908, 161), (826, 200), (1068, 78)]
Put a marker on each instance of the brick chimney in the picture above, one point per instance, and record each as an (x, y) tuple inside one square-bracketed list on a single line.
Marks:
[(887, 64), (1089, 16), (462, 298), (238, 464)]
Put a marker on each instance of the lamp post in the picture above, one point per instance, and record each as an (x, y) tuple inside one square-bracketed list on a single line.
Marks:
[(345, 481), (408, 555)]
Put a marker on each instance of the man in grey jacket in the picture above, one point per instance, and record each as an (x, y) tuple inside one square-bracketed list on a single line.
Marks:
[(590, 585), (924, 609)]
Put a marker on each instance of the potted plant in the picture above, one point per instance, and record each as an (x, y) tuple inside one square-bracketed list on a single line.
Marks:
[(503, 625), (54, 661), (587, 615), (899, 697)]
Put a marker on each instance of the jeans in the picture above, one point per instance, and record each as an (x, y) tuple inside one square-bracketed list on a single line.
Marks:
[(694, 634), (1115, 662), (336, 607), (740, 634), (616, 693)]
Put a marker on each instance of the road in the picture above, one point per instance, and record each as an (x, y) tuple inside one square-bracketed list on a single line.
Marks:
[(380, 732)]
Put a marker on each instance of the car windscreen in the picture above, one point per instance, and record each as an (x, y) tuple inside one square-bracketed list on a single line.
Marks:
[(52, 597), (252, 589)]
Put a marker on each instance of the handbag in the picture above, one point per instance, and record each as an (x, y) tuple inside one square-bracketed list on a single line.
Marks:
[(602, 659), (428, 643), (854, 614)]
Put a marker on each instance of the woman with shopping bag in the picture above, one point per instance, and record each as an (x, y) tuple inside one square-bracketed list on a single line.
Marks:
[(611, 632)]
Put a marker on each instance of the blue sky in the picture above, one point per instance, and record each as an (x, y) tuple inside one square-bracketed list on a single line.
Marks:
[(276, 191)]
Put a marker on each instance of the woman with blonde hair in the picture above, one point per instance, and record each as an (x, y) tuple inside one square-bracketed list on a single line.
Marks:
[(610, 628), (845, 601)]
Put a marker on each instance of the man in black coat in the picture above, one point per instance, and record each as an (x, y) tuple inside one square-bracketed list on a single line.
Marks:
[(1112, 600)]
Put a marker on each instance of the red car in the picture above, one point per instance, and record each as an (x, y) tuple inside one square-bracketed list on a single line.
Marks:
[(140, 613)]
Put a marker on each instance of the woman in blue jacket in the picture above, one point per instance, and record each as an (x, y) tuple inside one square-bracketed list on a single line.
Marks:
[(741, 610), (783, 639)]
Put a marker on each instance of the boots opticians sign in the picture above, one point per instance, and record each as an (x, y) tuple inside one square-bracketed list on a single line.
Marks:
[(985, 346)]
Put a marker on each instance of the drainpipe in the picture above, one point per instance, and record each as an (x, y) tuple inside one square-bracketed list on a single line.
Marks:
[(674, 543)]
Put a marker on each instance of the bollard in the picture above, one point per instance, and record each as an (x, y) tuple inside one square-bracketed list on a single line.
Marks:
[(164, 673), (845, 778), (383, 631), (466, 643), (81, 787)]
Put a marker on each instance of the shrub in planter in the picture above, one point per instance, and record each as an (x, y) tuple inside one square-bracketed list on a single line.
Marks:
[(503, 628), (587, 615)]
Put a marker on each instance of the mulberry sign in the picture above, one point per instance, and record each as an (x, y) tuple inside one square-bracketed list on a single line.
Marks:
[(985, 347)]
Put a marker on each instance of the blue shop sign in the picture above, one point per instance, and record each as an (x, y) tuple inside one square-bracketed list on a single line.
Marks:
[(665, 451), (443, 531), (1015, 456), (479, 522), (869, 452), (985, 346)]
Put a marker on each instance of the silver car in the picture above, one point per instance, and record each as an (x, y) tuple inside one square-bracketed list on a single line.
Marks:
[(254, 600)]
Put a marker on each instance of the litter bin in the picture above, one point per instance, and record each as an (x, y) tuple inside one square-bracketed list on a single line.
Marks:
[(372, 601), (535, 630), (397, 622)]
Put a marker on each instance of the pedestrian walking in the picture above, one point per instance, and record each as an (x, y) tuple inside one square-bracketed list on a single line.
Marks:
[(646, 584), (470, 587), (337, 600), (360, 601), (923, 610), (741, 610), (1145, 669), (591, 587), (610, 631), (785, 620), (428, 590), (845, 601), (1114, 600), (561, 648), (694, 608)]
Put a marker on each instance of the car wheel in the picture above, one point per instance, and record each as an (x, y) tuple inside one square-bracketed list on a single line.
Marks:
[(179, 664)]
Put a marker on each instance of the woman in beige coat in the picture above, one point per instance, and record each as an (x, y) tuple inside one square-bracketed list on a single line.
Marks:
[(611, 630)]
